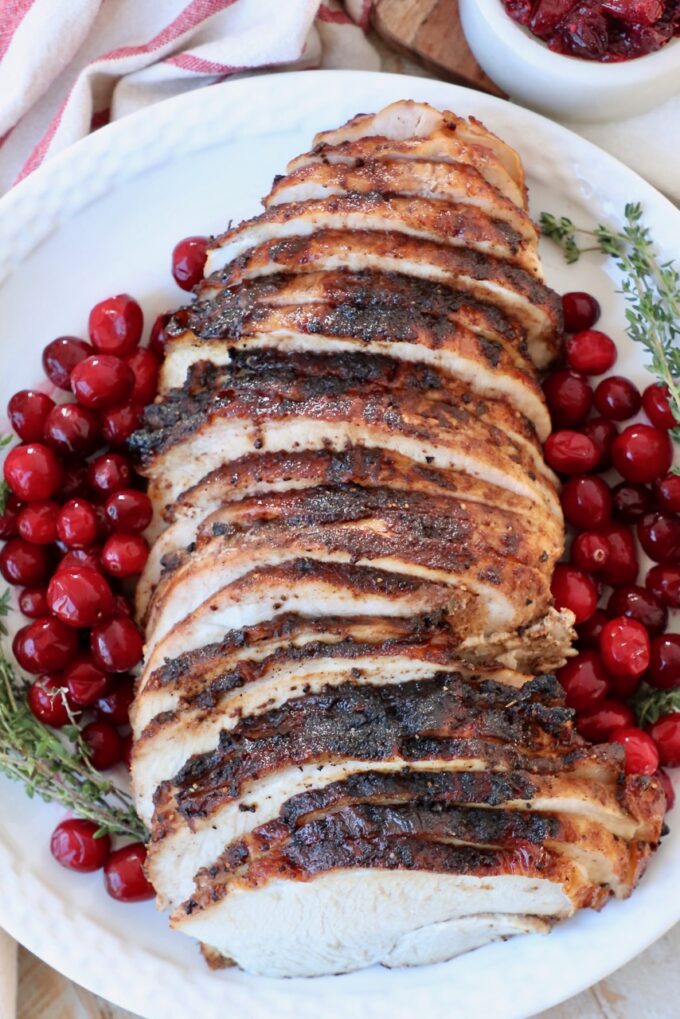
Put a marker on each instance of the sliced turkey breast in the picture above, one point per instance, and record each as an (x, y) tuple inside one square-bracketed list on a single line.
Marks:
[(515, 292), (457, 225)]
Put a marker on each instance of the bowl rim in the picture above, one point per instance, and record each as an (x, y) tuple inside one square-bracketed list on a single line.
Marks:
[(528, 47)]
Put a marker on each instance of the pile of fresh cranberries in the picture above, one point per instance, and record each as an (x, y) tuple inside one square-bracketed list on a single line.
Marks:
[(73, 530), (621, 624)]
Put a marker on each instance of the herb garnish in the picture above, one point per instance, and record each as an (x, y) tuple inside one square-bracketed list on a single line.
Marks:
[(650, 704)]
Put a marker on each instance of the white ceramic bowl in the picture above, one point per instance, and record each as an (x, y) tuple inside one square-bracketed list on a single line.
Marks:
[(562, 86)]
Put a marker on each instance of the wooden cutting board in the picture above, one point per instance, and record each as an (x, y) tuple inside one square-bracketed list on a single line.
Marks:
[(430, 31)]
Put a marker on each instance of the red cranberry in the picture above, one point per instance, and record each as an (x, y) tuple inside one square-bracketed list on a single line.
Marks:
[(664, 582), (103, 743), (125, 555), (75, 480), (33, 602), (85, 682), (46, 698), (60, 358), (27, 411), (625, 647), (9, 518), (109, 473), (115, 325), (123, 607), (118, 423), (129, 510), (116, 645), (667, 492), (590, 352), (570, 452), (664, 662), (638, 603), (590, 552), (666, 734), (603, 433), (631, 501), (72, 429), (73, 845), (37, 522), (76, 558), (642, 453), (585, 681), (598, 725), (586, 502), (617, 398), (102, 381), (45, 645), (159, 337), (581, 311), (667, 786), (80, 596), (145, 367), (126, 752), (589, 632), (77, 524), (575, 590), (569, 398), (622, 567), (33, 472), (659, 535), (114, 707), (124, 874), (24, 563), (656, 406), (188, 261), (642, 757)]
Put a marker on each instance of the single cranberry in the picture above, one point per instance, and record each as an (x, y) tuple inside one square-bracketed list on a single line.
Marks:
[(114, 706), (617, 398), (125, 555), (9, 518), (664, 582), (664, 662), (109, 473), (76, 845), (159, 337), (27, 412), (667, 493), (116, 645), (37, 522), (145, 368), (103, 743), (80, 596), (642, 453), (45, 645), (631, 501), (77, 524), (46, 698), (60, 358), (586, 501), (590, 552), (129, 510), (642, 757), (666, 734), (76, 558), (638, 603), (126, 751), (659, 535), (118, 423), (569, 452), (581, 311), (585, 681), (589, 632), (24, 563), (124, 874), (75, 480), (622, 567), (569, 398), (188, 261), (72, 429), (33, 601), (33, 472), (123, 607), (590, 352), (656, 406), (597, 725), (85, 682), (101, 381), (625, 647), (575, 590), (603, 433), (115, 325), (667, 786)]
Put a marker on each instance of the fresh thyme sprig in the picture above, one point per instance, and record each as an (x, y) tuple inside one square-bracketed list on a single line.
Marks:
[(651, 289), (4, 487), (650, 704)]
